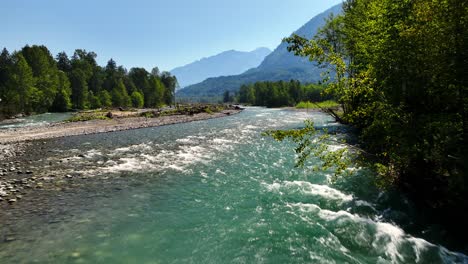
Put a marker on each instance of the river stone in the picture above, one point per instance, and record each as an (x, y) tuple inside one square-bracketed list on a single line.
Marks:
[(9, 239), (12, 201)]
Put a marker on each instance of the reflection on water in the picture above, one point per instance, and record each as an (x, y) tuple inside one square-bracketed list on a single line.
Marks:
[(213, 191)]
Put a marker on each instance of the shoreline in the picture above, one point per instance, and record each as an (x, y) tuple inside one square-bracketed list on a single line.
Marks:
[(19, 180), (64, 129)]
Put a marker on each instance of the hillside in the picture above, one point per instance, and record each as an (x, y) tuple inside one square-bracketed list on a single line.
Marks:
[(279, 65), (226, 63)]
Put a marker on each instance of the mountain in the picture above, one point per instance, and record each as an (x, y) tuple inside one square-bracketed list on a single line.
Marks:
[(227, 63), (279, 65)]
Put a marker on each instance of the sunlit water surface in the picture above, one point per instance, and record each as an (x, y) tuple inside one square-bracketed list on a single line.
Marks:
[(35, 120), (214, 191)]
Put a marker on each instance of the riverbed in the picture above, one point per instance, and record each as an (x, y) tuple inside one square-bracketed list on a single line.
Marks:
[(212, 191)]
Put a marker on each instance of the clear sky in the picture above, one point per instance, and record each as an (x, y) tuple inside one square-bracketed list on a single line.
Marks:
[(148, 33)]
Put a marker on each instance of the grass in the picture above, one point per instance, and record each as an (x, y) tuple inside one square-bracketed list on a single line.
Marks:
[(317, 105), (182, 110), (89, 115)]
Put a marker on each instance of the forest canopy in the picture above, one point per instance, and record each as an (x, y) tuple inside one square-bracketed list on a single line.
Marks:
[(33, 81), (279, 94)]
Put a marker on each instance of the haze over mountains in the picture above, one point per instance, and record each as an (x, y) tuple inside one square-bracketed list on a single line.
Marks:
[(279, 65), (230, 62)]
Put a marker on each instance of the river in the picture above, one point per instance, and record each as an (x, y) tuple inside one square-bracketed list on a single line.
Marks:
[(213, 191)]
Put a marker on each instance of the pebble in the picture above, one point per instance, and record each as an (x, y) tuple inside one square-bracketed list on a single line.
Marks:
[(9, 239), (12, 200)]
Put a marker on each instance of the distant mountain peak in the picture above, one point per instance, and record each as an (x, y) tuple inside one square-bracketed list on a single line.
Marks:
[(278, 65), (229, 62)]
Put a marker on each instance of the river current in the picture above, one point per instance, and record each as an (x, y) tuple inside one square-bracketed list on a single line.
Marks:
[(213, 191)]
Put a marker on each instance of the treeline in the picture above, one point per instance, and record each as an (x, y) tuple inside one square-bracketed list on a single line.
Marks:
[(33, 81), (278, 94), (400, 71)]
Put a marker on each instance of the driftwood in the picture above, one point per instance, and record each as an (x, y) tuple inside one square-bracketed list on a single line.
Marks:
[(331, 112)]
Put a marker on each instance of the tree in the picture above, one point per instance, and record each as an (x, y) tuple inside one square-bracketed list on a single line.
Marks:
[(105, 98), (226, 97), (158, 91), (155, 72), (137, 100), (399, 70), (63, 62), (20, 88), (62, 102), (5, 65), (170, 83), (79, 96), (119, 95), (45, 75)]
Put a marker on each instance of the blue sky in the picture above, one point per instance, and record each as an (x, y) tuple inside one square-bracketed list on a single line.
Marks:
[(150, 33)]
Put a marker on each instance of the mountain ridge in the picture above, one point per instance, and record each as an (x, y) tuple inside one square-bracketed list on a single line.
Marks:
[(278, 65), (229, 62)]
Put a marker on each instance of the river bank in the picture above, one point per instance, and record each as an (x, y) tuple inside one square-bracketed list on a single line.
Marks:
[(211, 191), (18, 178), (101, 126)]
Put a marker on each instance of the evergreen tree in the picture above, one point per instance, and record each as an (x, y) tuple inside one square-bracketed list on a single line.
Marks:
[(120, 96), (137, 99), (105, 98), (62, 102), (79, 97), (63, 62), (226, 97), (45, 75), (20, 90), (170, 84)]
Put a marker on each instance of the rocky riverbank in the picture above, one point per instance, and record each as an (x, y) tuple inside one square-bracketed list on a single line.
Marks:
[(102, 126), (21, 147)]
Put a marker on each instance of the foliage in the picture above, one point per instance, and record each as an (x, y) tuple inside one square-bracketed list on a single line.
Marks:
[(316, 105), (311, 142), (32, 81), (105, 98), (398, 68), (87, 116), (227, 97), (278, 94), (62, 102), (137, 99)]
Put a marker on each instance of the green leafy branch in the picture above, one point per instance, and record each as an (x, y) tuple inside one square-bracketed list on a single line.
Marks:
[(311, 143)]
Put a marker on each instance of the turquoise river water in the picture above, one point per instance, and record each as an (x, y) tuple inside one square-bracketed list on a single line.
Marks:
[(213, 191)]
